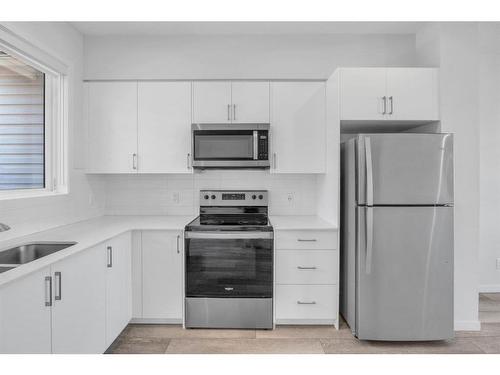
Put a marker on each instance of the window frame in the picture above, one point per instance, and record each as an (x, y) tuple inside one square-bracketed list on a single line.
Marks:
[(55, 122)]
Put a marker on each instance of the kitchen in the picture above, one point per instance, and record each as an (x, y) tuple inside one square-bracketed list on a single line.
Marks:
[(126, 282)]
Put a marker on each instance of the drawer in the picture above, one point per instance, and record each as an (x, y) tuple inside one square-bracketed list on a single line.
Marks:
[(306, 267), (306, 302), (306, 240)]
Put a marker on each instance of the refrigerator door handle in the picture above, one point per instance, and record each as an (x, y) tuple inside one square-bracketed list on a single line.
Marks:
[(369, 240), (369, 172)]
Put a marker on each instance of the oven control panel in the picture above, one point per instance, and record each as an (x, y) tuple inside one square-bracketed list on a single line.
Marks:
[(233, 198)]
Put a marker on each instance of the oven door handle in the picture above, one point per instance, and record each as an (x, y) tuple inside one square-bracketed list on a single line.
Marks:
[(226, 235)]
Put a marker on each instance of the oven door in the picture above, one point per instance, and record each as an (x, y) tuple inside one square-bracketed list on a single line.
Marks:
[(228, 146), (229, 264)]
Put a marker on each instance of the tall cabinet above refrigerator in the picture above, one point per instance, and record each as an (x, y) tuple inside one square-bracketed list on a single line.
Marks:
[(397, 236)]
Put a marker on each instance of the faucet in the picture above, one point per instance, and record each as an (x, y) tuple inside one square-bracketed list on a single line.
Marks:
[(4, 227)]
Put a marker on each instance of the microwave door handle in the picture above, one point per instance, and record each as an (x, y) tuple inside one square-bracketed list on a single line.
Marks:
[(255, 145)]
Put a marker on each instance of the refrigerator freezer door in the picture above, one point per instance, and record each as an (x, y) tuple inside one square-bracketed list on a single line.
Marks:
[(405, 169), (405, 286)]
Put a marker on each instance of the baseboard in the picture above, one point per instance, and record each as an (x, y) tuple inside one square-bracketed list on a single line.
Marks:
[(467, 325), (155, 321), (489, 288), (306, 322)]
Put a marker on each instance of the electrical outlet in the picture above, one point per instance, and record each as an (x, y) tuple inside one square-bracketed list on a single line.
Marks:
[(290, 198), (498, 263), (176, 197)]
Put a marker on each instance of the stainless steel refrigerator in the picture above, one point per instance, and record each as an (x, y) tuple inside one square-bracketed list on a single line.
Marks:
[(397, 236)]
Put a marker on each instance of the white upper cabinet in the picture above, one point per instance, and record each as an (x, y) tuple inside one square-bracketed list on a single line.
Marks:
[(25, 314), (413, 94), (362, 91), (118, 285), (112, 127), (250, 102), (164, 139), (231, 102), (79, 306), (394, 94), (162, 275), (212, 102), (298, 127)]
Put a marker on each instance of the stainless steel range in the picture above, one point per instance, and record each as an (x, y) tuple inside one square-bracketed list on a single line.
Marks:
[(229, 262)]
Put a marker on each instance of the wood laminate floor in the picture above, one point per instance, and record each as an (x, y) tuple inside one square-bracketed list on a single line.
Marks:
[(173, 339)]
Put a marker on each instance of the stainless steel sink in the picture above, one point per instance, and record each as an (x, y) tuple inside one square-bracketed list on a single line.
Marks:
[(29, 252), (5, 269)]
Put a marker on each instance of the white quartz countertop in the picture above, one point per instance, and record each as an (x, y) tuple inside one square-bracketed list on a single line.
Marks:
[(94, 231), (291, 222), (87, 234)]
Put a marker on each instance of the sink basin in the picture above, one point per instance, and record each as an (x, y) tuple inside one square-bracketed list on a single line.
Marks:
[(4, 269), (29, 252)]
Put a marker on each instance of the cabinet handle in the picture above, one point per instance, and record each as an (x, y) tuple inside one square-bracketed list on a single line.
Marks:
[(306, 268), (57, 280), (392, 105), (306, 303), (234, 112), (110, 256), (188, 161), (178, 249), (306, 240), (134, 161), (384, 105), (274, 160), (48, 291), (229, 112)]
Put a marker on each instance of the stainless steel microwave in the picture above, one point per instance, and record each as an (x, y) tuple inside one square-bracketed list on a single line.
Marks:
[(230, 145)]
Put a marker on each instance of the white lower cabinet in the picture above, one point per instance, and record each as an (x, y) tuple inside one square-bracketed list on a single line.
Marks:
[(118, 285), (306, 267), (313, 304), (25, 314), (79, 306), (307, 274), (162, 260)]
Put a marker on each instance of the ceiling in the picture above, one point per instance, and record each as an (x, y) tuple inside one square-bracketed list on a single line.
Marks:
[(244, 28)]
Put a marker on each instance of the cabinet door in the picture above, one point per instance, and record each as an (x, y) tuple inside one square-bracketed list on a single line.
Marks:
[(164, 127), (25, 314), (361, 93), (79, 310), (298, 127), (413, 94), (162, 275), (212, 102), (250, 102), (118, 285), (112, 122)]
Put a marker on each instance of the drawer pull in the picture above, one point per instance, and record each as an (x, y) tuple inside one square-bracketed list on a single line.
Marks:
[(306, 268), (306, 303), (306, 240)]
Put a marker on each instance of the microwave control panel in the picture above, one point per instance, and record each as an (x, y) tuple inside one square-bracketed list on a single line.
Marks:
[(263, 147)]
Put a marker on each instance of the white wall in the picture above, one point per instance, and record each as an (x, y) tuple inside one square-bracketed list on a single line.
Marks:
[(454, 47), (251, 56), (489, 120), (30, 215)]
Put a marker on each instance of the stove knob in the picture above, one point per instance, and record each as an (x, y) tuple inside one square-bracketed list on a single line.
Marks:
[(254, 196), (206, 196), (261, 196), (213, 196)]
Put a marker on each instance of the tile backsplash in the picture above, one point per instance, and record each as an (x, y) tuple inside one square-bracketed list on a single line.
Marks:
[(178, 194)]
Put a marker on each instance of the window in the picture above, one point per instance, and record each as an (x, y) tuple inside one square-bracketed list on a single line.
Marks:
[(33, 123), (22, 125)]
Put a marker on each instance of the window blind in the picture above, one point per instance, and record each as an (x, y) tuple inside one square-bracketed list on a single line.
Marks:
[(21, 125)]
